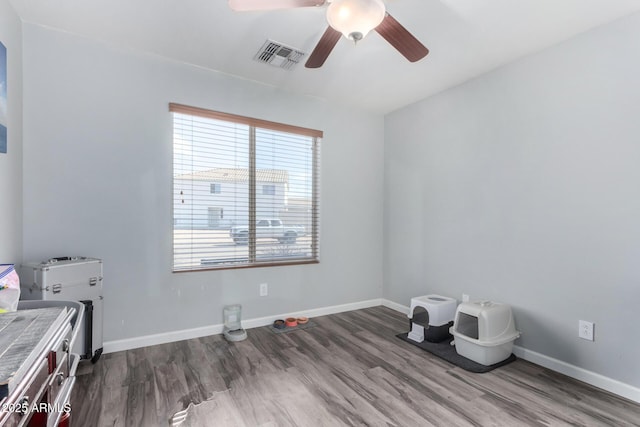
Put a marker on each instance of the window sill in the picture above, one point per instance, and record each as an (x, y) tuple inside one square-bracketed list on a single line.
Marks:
[(255, 265)]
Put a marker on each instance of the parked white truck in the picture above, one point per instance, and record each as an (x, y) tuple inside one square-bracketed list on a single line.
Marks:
[(268, 229)]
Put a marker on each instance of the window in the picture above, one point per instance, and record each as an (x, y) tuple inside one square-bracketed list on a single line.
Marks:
[(270, 203), (269, 190)]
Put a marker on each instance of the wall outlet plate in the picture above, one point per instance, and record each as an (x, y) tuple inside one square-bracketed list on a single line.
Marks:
[(264, 289), (585, 330)]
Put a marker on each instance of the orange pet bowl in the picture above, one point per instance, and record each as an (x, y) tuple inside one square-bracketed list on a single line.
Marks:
[(291, 322)]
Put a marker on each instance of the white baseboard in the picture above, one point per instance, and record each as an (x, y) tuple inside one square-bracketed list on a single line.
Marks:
[(163, 338), (315, 312), (614, 386), (185, 334), (609, 384), (395, 306)]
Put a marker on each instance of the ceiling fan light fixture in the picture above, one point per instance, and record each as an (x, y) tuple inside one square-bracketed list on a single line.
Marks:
[(355, 18)]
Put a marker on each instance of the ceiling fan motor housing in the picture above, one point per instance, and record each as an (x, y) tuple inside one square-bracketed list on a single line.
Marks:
[(355, 18)]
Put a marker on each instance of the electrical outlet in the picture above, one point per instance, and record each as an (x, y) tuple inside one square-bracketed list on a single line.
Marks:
[(585, 330), (264, 289), (465, 298)]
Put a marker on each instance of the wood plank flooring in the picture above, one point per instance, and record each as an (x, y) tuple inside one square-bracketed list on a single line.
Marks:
[(349, 369)]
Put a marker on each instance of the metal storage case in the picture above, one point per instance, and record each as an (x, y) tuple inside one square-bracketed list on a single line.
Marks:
[(70, 279)]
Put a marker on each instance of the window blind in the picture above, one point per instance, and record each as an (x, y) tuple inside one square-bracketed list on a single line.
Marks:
[(245, 191)]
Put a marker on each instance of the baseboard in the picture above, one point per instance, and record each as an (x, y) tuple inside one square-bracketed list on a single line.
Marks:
[(315, 312), (609, 384), (163, 338), (395, 306), (185, 334), (614, 386)]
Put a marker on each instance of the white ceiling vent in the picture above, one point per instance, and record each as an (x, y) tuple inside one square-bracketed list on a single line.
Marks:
[(279, 55)]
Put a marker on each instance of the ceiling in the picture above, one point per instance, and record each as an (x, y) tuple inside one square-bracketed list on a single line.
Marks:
[(466, 38)]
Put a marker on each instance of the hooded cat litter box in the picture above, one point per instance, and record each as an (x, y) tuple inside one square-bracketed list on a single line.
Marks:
[(431, 317), (484, 331)]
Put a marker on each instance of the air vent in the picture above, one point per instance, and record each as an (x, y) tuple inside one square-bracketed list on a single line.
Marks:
[(279, 55)]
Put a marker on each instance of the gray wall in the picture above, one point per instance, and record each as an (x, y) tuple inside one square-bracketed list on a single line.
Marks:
[(11, 162), (522, 186), (97, 182)]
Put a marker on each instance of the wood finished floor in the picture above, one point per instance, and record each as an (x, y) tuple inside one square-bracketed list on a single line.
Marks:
[(349, 369)]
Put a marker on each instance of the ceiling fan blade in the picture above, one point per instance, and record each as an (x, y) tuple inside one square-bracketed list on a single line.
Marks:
[(401, 39), (248, 5), (323, 48)]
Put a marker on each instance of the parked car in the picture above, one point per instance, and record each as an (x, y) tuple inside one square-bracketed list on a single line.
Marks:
[(268, 228)]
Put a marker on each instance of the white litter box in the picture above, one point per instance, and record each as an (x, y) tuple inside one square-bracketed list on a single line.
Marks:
[(484, 331), (431, 317)]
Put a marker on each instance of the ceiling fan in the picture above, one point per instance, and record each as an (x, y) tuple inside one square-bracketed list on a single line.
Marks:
[(352, 18)]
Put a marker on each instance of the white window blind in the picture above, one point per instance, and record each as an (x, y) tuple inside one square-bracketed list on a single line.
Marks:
[(245, 191)]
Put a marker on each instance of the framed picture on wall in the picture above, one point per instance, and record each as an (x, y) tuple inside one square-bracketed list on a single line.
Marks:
[(3, 98)]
